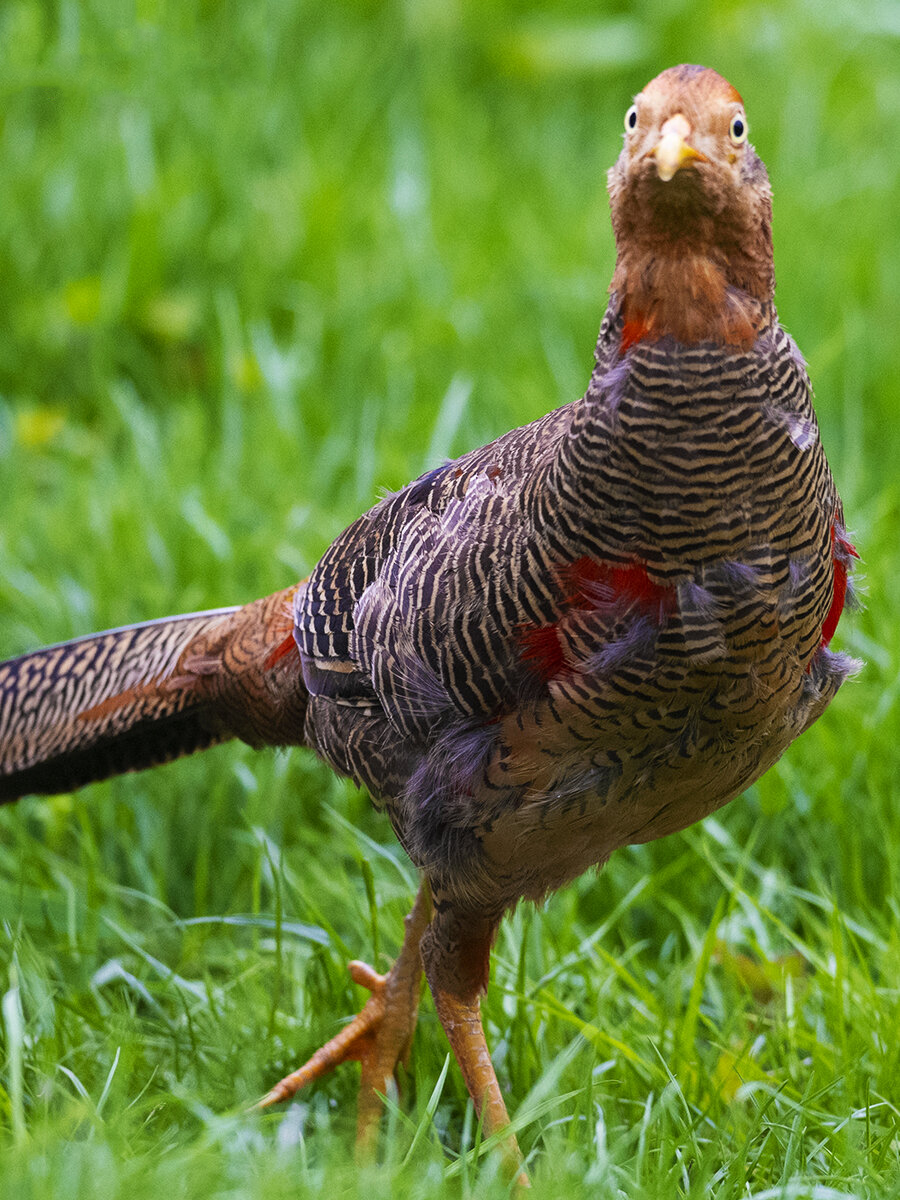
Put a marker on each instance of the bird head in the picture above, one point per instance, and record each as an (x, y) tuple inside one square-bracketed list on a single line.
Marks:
[(689, 196)]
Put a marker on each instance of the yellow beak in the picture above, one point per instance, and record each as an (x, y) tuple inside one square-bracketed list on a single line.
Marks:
[(672, 151)]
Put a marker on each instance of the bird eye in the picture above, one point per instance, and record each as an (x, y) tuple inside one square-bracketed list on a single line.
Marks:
[(631, 118), (738, 130)]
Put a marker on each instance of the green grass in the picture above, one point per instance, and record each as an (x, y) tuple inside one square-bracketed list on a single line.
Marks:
[(256, 262)]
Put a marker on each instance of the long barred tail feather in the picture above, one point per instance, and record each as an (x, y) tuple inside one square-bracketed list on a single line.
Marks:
[(145, 694)]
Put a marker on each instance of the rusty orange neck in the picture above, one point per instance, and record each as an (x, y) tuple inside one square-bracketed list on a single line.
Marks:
[(687, 297)]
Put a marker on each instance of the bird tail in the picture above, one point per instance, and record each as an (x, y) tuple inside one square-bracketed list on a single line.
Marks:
[(142, 695)]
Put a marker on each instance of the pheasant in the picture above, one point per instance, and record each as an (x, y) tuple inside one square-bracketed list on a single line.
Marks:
[(590, 633)]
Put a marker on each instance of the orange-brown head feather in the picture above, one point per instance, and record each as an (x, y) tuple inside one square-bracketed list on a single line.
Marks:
[(691, 211)]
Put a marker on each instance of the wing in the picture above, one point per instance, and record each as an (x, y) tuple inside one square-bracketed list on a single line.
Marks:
[(411, 620)]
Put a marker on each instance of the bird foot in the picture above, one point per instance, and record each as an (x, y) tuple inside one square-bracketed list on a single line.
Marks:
[(379, 1031), (379, 1037)]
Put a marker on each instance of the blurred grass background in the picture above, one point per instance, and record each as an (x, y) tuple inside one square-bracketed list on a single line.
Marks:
[(257, 261)]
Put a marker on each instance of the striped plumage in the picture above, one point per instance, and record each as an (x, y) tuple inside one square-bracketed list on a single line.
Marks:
[(145, 694), (600, 622), (589, 633)]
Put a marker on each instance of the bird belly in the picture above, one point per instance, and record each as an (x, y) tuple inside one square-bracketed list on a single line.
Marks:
[(572, 780)]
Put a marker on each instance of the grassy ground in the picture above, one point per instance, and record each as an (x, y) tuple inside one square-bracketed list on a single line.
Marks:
[(257, 261)]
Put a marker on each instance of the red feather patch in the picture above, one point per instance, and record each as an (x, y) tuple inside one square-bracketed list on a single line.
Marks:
[(620, 587), (590, 584), (542, 651), (633, 331), (281, 651), (842, 550)]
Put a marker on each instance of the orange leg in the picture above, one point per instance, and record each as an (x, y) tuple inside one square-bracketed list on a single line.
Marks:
[(456, 953), (380, 1036)]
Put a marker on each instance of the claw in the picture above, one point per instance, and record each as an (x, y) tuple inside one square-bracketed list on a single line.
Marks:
[(379, 1037)]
